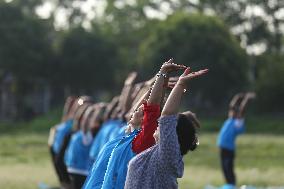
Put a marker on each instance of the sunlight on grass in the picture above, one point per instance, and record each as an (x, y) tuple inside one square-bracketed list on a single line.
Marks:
[(25, 161), (26, 175)]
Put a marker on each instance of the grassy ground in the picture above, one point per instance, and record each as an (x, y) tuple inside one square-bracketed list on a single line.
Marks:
[(25, 160)]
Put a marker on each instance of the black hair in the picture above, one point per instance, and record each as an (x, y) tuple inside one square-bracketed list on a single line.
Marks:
[(234, 108), (186, 132)]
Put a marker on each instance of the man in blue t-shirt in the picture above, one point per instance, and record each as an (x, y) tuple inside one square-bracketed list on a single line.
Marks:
[(231, 128)]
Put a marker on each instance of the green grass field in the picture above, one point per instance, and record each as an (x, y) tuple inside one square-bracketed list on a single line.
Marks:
[(25, 161)]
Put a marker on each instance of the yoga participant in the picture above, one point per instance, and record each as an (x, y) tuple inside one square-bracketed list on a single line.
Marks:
[(60, 130), (161, 165), (76, 154), (62, 137), (231, 128), (96, 176), (96, 119), (114, 125), (136, 141)]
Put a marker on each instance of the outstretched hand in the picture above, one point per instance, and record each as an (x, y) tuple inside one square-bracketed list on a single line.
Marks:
[(187, 75), (170, 66)]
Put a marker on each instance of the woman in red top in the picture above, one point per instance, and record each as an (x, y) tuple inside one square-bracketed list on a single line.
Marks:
[(146, 116)]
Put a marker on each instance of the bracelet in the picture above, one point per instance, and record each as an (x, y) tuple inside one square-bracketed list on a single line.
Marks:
[(183, 88), (162, 74)]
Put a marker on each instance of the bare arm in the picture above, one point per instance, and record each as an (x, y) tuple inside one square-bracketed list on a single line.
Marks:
[(244, 102), (135, 107), (235, 99), (139, 101), (110, 108), (162, 79), (141, 93), (125, 97), (137, 87), (128, 85), (173, 102), (67, 107)]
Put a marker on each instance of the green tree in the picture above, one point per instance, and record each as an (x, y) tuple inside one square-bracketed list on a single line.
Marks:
[(270, 83), (87, 61), (25, 44), (200, 42), (258, 21), (25, 54)]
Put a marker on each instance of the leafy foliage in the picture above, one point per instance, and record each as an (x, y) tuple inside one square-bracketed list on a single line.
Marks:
[(200, 42), (87, 60), (270, 83)]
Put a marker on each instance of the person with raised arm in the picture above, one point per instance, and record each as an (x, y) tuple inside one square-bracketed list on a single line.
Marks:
[(56, 136), (77, 149), (161, 165), (112, 126), (77, 153), (61, 139), (144, 117), (232, 127), (97, 172)]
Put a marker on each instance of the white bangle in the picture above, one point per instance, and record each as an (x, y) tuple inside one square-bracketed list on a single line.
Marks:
[(183, 88)]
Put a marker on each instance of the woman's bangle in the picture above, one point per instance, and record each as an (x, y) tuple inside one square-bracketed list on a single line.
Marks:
[(162, 74), (182, 86)]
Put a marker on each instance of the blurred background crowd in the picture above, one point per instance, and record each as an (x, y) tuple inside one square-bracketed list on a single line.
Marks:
[(52, 49)]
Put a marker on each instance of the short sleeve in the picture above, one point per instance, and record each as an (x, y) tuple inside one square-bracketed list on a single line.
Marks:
[(239, 125)]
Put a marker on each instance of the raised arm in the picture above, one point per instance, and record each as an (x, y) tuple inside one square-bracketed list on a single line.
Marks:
[(162, 80), (110, 108), (125, 96), (151, 109), (135, 107), (136, 88), (235, 99), (169, 147), (67, 107), (244, 102), (174, 99), (84, 123), (142, 96)]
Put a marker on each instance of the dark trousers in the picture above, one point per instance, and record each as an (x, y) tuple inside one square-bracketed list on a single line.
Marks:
[(60, 168), (77, 180), (227, 163)]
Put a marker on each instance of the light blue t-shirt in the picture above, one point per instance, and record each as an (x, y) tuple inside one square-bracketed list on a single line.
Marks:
[(118, 131), (103, 136), (61, 131), (116, 171), (112, 159), (231, 128), (77, 153), (96, 176)]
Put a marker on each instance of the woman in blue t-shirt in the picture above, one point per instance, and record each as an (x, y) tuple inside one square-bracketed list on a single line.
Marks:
[(72, 146), (231, 128), (55, 139), (77, 154)]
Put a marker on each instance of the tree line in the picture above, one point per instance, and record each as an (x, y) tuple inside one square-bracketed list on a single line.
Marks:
[(220, 35)]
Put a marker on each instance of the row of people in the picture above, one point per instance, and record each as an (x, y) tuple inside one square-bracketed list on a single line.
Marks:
[(91, 141)]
